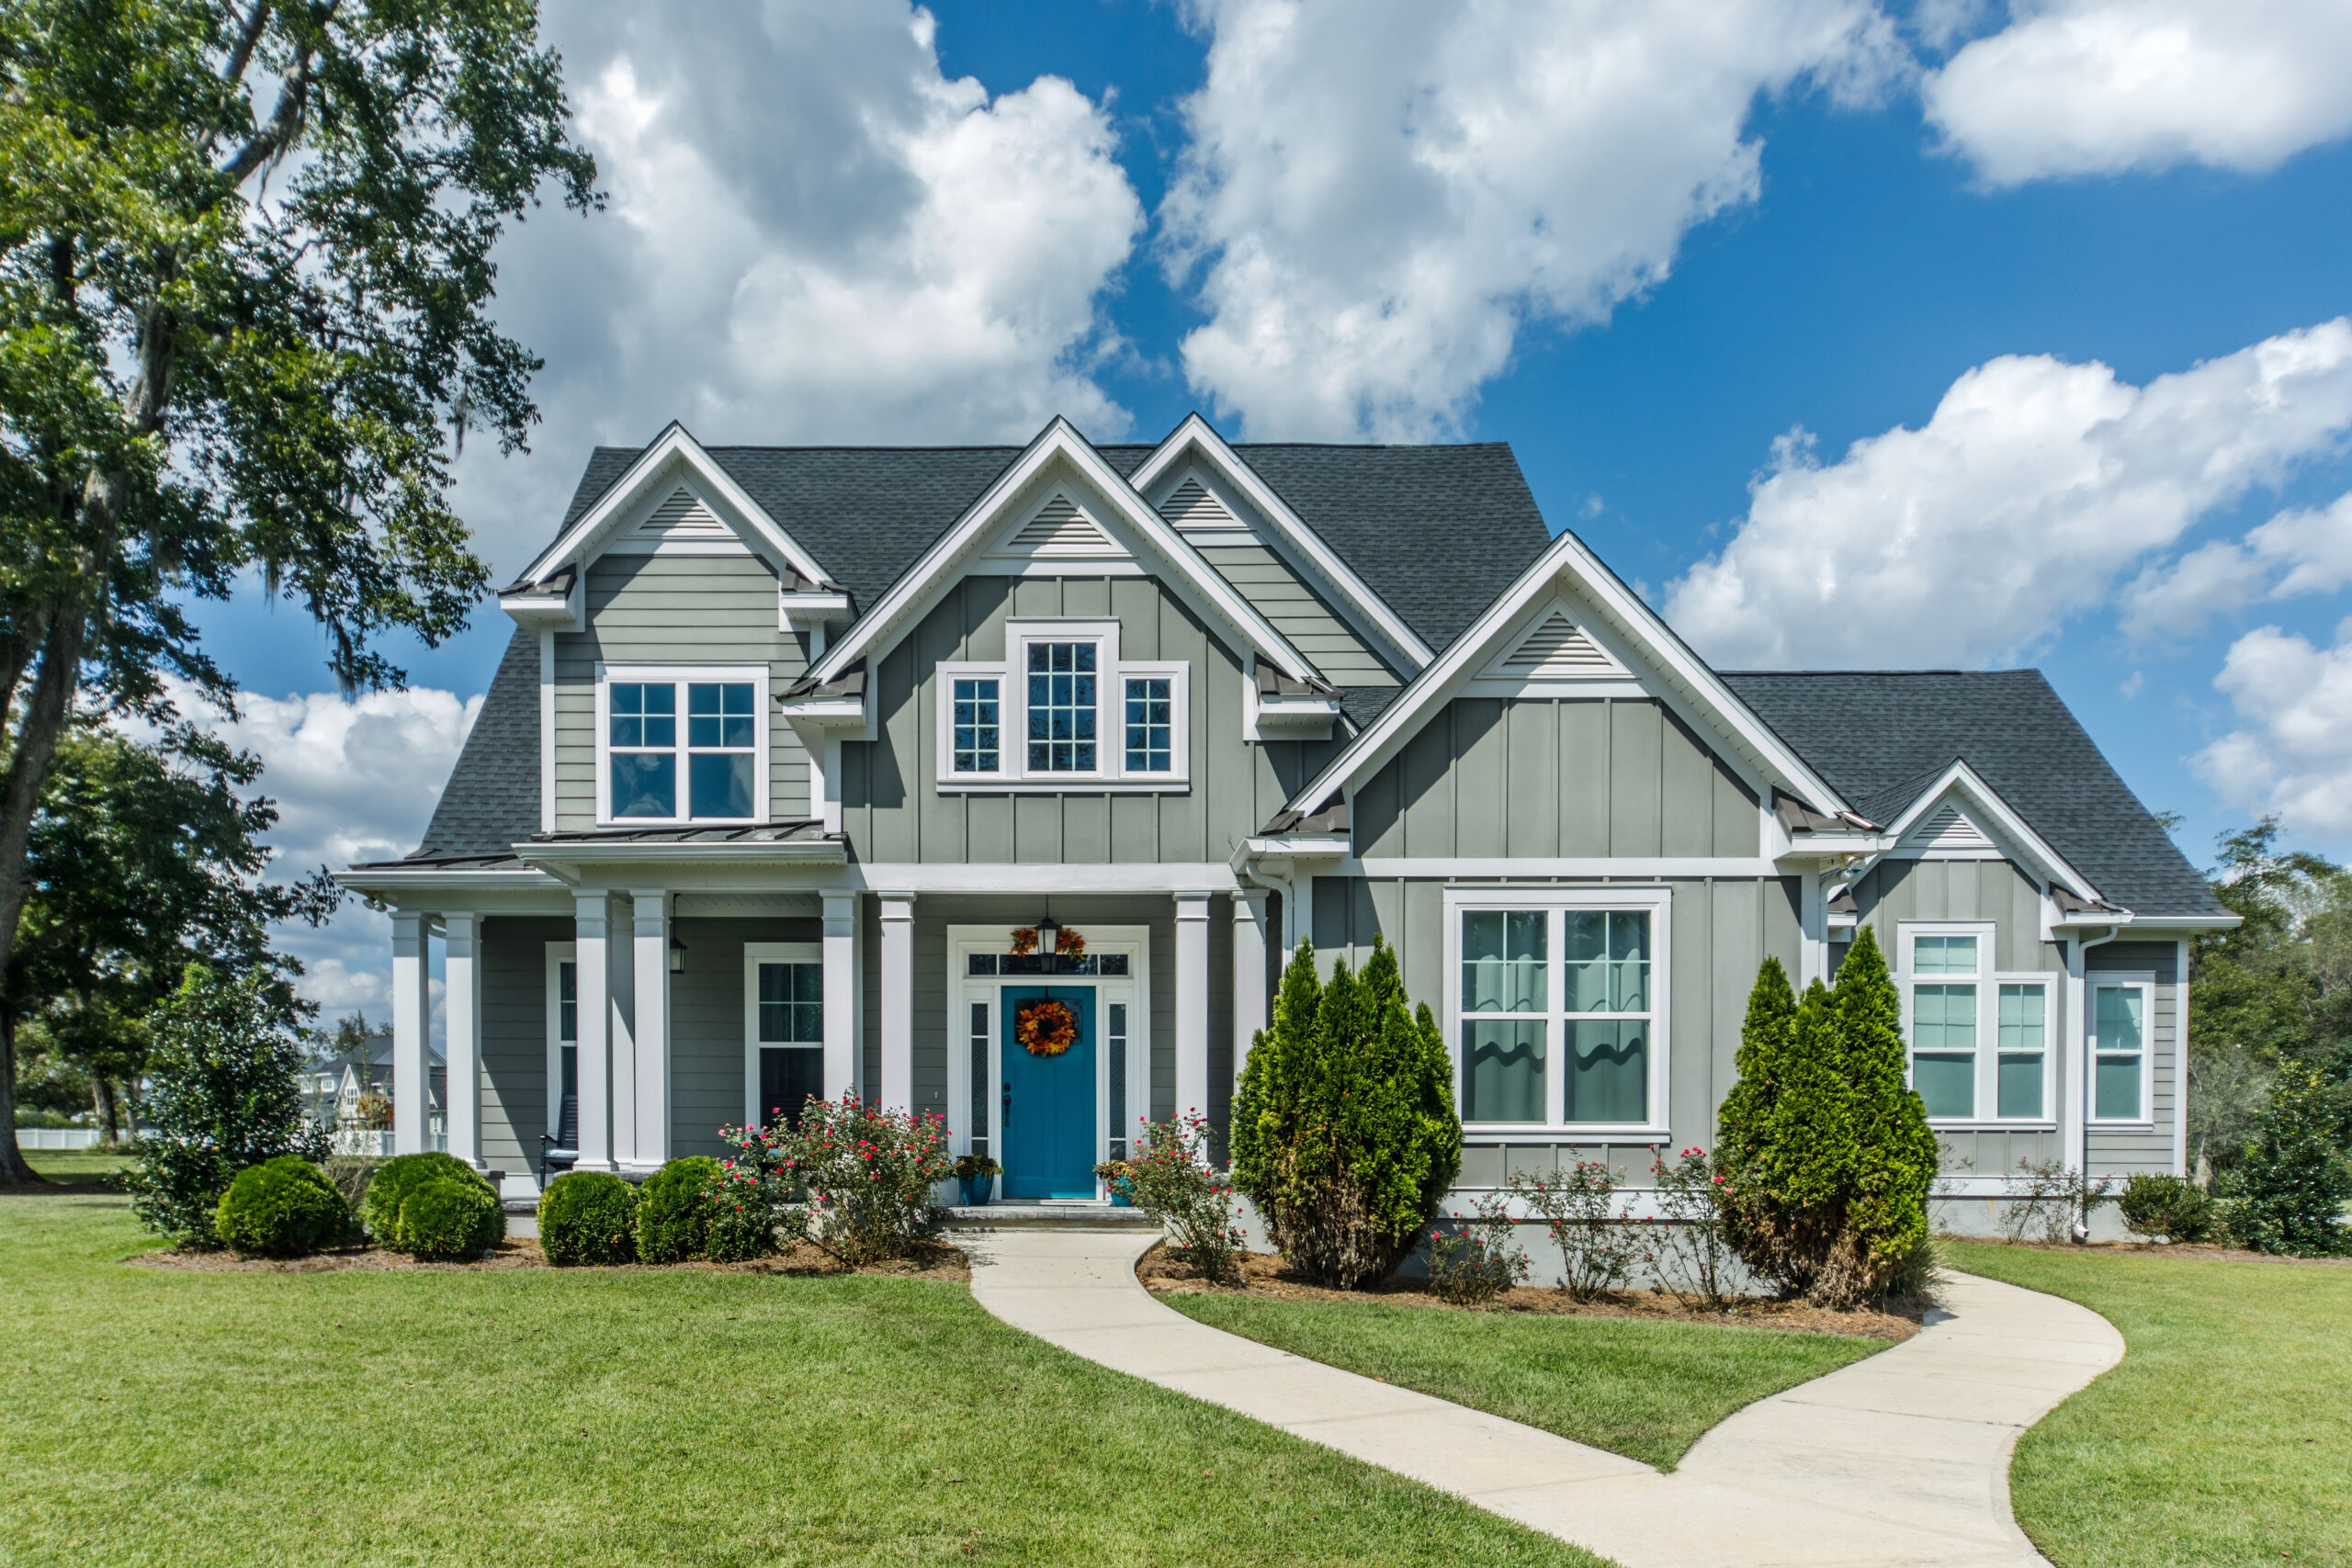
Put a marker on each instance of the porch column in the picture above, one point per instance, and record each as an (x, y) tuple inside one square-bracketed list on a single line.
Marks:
[(593, 987), (412, 1017), (461, 1016), (650, 1034), (1813, 931), (842, 982), (1192, 1003), (1248, 974), (898, 1001)]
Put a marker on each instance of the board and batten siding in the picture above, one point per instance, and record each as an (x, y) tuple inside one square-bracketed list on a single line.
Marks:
[(515, 1037), (674, 609), (1722, 929), (894, 811), (1524, 776), (2118, 1151)]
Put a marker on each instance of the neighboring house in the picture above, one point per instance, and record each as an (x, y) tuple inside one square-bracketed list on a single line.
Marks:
[(789, 740), (334, 1081)]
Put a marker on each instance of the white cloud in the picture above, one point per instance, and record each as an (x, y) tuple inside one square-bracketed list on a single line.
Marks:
[(2036, 483), (813, 236), (1379, 195), (2099, 87), (2293, 754), (2305, 552)]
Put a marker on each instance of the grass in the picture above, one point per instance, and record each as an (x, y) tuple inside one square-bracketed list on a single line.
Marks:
[(583, 1416), (1637, 1387), (75, 1165), (2226, 1437)]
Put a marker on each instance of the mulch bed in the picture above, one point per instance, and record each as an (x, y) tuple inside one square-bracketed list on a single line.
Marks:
[(931, 1260), (1265, 1274)]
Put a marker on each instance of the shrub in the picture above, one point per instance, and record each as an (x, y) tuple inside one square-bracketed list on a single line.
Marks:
[(587, 1216), (675, 1211), (2052, 1201), (281, 1208), (853, 1179), (1825, 1153), (389, 1190), (446, 1218), (221, 1097), (1170, 1179), (2290, 1191), (2155, 1205), (1598, 1249), (1482, 1259), (351, 1174), (1689, 1251), (1344, 1131), (742, 1218)]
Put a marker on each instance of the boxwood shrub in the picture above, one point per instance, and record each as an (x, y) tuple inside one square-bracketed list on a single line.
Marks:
[(675, 1211), (282, 1208), (587, 1216), (446, 1218), (388, 1193)]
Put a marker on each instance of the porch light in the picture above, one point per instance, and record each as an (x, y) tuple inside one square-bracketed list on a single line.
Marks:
[(1048, 930), (677, 957)]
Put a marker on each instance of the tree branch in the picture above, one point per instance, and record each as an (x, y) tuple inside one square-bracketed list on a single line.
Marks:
[(274, 137), (247, 38)]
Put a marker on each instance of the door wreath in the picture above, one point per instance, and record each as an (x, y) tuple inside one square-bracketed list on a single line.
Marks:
[(1045, 1028)]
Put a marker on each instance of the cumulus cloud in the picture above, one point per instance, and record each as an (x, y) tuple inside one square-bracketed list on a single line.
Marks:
[(1378, 196), (814, 235), (2292, 753), (2302, 551), (2078, 87), (2034, 485)]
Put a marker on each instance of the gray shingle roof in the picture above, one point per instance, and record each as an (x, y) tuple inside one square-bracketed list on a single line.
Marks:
[(492, 801), (1880, 739), (1436, 531)]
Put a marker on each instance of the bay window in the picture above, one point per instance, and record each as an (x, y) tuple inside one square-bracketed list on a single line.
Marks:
[(681, 744), (1557, 1007), (1978, 1042), (1063, 710)]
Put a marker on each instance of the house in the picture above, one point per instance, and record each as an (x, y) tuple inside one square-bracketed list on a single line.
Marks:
[(789, 741), (334, 1081)]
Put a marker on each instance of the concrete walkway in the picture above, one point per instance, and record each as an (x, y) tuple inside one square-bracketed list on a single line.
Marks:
[(1897, 1461)]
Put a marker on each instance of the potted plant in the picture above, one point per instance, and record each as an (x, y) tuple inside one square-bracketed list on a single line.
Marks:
[(1114, 1174), (974, 1172)]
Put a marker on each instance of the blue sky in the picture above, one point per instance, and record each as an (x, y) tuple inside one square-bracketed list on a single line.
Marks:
[(1828, 223)]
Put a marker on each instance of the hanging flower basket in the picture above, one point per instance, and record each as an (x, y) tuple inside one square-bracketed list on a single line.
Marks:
[(1045, 1028)]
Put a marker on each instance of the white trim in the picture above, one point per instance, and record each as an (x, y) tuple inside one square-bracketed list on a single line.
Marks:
[(649, 1054), (1984, 1067), (1191, 1004), (2145, 982), (1186, 877), (754, 954), (678, 677), (964, 989), (2180, 1060), (559, 953), (1659, 904), (412, 1026), (845, 979), (2010, 832), (461, 1032), (897, 1031), (1285, 718), (547, 729), (1504, 868)]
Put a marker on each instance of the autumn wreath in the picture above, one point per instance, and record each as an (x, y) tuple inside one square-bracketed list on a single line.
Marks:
[(1045, 1028)]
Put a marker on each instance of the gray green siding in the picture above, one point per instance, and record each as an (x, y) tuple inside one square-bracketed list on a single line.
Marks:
[(2120, 1150), (1298, 610), (706, 1031), (514, 957)]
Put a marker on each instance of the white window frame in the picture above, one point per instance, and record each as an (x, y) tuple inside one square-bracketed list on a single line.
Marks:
[(754, 954), (2144, 983), (1110, 675), (1989, 981), (1658, 902), (681, 676), (559, 955)]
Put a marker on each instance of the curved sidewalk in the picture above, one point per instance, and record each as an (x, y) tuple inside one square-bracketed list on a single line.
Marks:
[(1900, 1460)]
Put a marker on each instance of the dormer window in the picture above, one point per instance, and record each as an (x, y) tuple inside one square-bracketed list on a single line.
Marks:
[(681, 745), (1063, 710)]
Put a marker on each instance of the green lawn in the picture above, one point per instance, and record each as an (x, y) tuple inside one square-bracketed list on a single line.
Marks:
[(579, 1417), (2226, 1437), (1637, 1387), (75, 1165)]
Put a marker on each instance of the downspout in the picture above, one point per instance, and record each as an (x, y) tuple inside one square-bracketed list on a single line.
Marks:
[(2077, 1155)]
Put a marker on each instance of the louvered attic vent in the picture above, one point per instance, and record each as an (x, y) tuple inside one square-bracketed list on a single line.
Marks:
[(1190, 507), (1559, 650), (683, 516), (1061, 529), (1948, 828)]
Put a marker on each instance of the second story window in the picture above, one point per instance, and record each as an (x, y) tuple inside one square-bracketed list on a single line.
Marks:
[(1151, 724), (683, 745), (977, 735), (1062, 710), (1061, 707)]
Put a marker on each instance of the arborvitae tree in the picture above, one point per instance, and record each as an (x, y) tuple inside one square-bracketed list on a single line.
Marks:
[(1345, 1136), (2295, 1181), (1746, 1155), (1895, 1154)]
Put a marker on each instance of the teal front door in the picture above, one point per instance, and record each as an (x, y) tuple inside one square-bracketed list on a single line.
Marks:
[(1049, 1104)]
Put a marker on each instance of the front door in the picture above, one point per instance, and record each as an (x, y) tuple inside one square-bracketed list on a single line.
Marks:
[(1049, 1101)]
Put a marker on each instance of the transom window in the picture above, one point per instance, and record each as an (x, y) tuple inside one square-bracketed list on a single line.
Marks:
[(1062, 710), (1558, 1013), (706, 768), (1979, 1043)]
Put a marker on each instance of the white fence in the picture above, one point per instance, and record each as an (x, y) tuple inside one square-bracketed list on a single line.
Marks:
[(57, 1137)]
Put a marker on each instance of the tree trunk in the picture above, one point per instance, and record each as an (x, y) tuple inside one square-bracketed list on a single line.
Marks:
[(13, 1166), (102, 1092)]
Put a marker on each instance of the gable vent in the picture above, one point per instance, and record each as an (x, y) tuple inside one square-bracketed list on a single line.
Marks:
[(1190, 507), (1559, 650), (683, 516), (1947, 828), (1061, 529)]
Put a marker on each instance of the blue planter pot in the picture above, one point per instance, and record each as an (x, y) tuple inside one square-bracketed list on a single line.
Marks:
[(976, 1190)]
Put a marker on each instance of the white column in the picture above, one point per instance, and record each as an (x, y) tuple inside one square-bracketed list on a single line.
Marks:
[(1813, 940), (462, 1019), (547, 729), (842, 981), (1248, 974), (898, 1001), (650, 1035), (1192, 1003), (590, 919), (412, 1017)]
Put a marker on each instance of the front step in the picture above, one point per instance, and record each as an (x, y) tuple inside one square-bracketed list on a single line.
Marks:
[(1049, 1216)]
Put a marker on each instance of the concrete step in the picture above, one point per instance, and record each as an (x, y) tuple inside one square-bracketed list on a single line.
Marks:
[(1049, 1216)]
